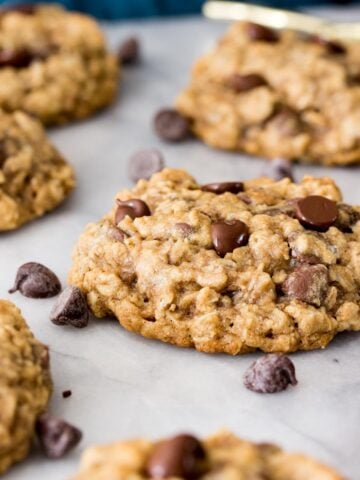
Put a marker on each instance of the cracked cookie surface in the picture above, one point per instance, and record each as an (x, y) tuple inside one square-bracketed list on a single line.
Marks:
[(277, 285), (25, 384), (54, 64), (226, 457), (279, 95), (34, 177)]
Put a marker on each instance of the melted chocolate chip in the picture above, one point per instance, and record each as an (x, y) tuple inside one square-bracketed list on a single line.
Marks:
[(182, 456), (316, 212), (184, 228), (260, 33), (219, 188), (307, 283), (15, 58), (133, 208), (129, 51), (56, 436), (226, 236), (270, 374), (244, 83), (278, 168), (71, 308), (34, 280), (171, 126), (287, 122), (331, 46), (117, 234), (143, 164)]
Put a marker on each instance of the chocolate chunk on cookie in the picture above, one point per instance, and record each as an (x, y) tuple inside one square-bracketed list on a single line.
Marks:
[(307, 283)]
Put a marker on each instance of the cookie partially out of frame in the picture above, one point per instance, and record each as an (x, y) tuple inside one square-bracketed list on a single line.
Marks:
[(25, 384), (273, 266), (34, 177), (220, 457), (277, 93), (54, 64)]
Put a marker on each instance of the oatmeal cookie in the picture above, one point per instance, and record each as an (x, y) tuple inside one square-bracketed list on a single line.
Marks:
[(34, 178), (223, 456), (226, 267), (54, 64), (25, 384), (277, 94)]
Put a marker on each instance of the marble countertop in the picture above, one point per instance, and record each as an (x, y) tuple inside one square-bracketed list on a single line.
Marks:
[(123, 385)]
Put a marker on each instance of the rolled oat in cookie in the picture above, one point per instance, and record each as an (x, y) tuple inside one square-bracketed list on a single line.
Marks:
[(277, 94), (54, 64), (25, 384), (228, 266), (223, 456)]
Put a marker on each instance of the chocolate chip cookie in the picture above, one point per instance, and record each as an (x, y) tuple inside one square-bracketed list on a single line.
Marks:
[(226, 267), (277, 94), (25, 384), (34, 178), (54, 64), (223, 456)]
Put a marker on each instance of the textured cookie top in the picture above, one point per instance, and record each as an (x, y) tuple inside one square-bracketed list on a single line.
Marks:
[(283, 94), (34, 177), (223, 456), (54, 64), (25, 384), (227, 272)]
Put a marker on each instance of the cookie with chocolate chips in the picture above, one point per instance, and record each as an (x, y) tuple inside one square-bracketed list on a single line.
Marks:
[(277, 94), (198, 266), (223, 456), (54, 64)]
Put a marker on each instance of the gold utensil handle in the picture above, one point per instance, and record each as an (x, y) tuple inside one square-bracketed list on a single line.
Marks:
[(276, 18)]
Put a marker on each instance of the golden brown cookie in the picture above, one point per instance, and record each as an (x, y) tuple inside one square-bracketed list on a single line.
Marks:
[(34, 177), (54, 64), (25, 384), (277, 94), (226, 267), (220, 457)]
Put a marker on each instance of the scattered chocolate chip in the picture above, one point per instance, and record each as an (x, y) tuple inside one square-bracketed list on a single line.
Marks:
[(70, 308), (316, 212), (219, 188), (143, 164), (25, 8), (335, 360), (271, 373), (226, 236), (261, 33), (287, 122), (278, 168), (182, 456), (133, 208), (184, 228), (118, 234), (34, 280), (15, 58), (332, 47), (171, 126), (129, 51), (244, 83), (307, 283), (66, 393), (56, 436)]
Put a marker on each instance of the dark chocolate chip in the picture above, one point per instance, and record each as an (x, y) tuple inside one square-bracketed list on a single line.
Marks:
[(56, 436), (261, 33), (129, 51), (270, 374), (226, 236), (66, 393), (182, 456), (278, 168), (171, 126), (244, 83), (332, 47), (34, 280), (307, 283), (25, 8), (133, 208), (287, 122), (219, 188), (15, 58), (143, 164), (45, 358), (118, 234), (70, 308), (316, 212), (184, 228)]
